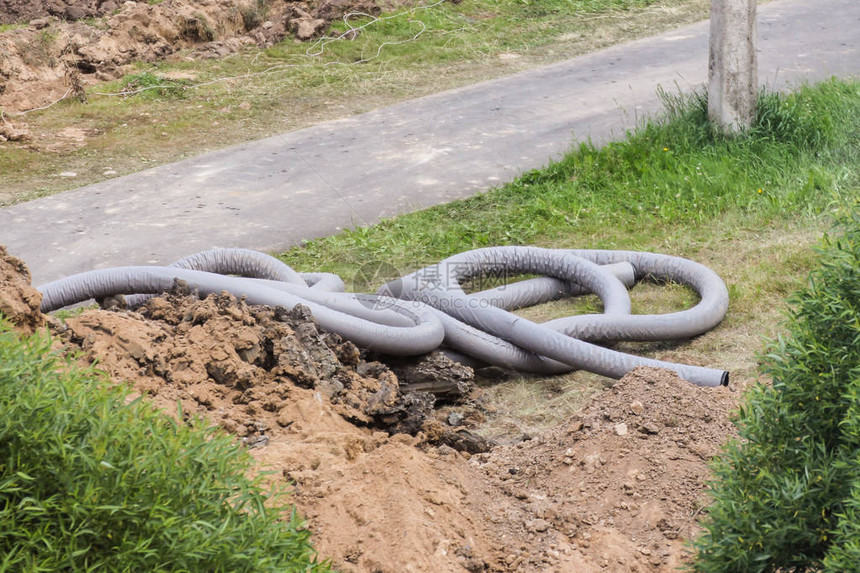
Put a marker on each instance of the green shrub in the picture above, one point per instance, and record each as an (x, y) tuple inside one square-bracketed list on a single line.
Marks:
[(787, 496), (90, 483)]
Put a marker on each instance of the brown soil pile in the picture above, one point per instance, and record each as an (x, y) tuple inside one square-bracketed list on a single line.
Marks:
[(59, 52), (333, 424), (19, 301), (241, 365), (616, 488)]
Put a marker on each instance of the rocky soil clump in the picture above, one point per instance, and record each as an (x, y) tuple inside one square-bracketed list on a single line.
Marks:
[(239, 365), (19, 301), (62, 47)]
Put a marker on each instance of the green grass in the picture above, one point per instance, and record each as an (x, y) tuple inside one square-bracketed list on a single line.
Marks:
[(149, 85), (89, 482), (473, 28)]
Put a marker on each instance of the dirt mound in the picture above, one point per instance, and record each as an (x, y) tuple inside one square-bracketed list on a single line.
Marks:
[(19, 302), (616, 488), (59, 53), (238, 364), (312, 409)]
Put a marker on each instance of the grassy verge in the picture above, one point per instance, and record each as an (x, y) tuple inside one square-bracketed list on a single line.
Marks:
[(215, 103), (670, 174), (750, 207), (91, 483)]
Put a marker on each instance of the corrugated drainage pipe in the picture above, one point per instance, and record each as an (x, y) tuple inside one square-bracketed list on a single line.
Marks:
[(477, 325), (510, 340), (398, 330)]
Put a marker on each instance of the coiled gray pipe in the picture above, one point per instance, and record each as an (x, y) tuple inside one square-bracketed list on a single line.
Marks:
[(514, 342), (421, 309)]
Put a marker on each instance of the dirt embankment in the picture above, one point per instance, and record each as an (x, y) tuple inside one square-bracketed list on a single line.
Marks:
[(616, 488), (67, 46), (19, 301)]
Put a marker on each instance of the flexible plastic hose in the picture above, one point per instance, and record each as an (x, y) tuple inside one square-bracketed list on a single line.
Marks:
[(422, 335), (414, 314), (514, 342)]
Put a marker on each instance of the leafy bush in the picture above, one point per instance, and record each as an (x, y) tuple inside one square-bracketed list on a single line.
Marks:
[(787, 497), (90, 483)]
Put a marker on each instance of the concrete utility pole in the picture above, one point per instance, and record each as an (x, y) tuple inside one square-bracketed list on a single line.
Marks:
[(732, 67)]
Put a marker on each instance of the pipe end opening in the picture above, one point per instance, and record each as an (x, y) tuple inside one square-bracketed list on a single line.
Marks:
[(724, 379)]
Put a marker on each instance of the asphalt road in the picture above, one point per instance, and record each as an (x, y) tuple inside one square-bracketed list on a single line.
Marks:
[(273, 193)]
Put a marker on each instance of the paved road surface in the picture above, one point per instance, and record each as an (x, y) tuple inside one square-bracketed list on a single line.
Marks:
[(273, 193)]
